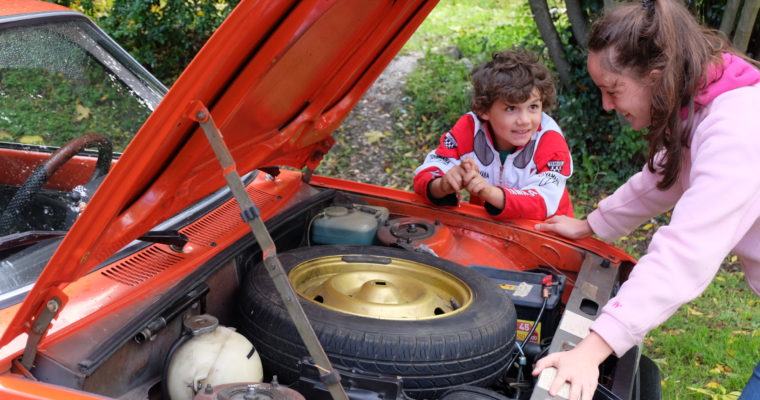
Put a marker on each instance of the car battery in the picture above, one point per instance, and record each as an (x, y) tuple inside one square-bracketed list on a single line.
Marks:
[(525, 289)]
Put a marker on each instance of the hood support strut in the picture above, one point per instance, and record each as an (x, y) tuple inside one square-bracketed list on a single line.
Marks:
[(199, 113)]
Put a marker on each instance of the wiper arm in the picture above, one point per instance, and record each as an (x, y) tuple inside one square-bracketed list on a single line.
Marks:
[(173, 238)]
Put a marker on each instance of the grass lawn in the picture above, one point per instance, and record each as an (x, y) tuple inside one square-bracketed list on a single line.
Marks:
[(708, 349), (710, 346)]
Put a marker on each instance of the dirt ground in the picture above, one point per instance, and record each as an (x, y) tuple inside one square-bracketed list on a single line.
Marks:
[(357, 154)]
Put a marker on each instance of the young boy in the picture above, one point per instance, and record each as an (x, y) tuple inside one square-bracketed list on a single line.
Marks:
[(506, 152)]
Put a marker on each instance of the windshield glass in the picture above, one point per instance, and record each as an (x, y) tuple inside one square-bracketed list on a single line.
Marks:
[(61, 78), (58, 83)]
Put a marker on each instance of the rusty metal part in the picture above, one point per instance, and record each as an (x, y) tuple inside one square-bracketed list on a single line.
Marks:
[(248, 391)]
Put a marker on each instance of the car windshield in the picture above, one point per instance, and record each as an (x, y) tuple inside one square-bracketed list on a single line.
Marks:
[(61, 80)]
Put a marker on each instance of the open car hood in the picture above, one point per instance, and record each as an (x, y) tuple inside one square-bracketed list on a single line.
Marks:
[(278, 77)]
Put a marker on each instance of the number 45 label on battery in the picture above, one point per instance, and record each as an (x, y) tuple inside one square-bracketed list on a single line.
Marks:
[(523, 327)]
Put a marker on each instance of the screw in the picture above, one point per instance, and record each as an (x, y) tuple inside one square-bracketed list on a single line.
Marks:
[(52, 306)]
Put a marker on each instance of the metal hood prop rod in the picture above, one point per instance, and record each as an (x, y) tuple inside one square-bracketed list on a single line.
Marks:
[(250, 214)]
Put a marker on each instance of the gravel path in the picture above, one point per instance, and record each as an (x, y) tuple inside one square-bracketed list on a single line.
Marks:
[(359, 153)]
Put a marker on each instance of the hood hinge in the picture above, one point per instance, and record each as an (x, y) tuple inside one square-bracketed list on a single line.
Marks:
[(39, 327)]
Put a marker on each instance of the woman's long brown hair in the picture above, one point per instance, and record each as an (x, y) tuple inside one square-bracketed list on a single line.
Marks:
[(637, 38)]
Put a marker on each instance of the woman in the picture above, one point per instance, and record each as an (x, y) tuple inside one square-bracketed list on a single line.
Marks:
[(699, 98)]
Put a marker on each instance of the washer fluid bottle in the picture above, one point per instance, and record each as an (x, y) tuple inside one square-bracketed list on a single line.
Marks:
[(348, 225)]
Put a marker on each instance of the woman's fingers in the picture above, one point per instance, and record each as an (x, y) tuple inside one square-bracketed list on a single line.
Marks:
[(549, 225)]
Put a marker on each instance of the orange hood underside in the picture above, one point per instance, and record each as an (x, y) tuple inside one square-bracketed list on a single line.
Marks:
[(277, 76)]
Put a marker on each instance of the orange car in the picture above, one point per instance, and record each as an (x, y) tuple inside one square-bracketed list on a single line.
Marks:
[(202, 258)]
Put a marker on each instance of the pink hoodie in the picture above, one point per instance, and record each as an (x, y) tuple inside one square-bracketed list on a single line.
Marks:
[(716, 210)]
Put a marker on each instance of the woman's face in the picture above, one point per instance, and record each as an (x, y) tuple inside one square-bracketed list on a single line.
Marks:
[(623, 93)]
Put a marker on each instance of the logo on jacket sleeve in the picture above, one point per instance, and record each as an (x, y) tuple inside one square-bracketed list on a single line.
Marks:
[(449, 141), (555, 166), (441, 159)]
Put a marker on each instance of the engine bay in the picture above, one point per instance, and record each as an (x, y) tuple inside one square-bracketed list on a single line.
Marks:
[(402, 253)]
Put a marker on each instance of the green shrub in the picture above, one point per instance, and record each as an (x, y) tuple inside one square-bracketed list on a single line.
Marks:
[(478, 46), (163, 35), (436, 95)]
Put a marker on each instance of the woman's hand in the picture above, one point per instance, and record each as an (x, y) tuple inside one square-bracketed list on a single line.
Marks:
[(568, 227), (579, 367)]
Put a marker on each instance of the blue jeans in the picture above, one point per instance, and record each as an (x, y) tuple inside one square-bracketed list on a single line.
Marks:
[(752, 390)]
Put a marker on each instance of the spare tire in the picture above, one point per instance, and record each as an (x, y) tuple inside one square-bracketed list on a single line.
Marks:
[(472, 393), (384, 310)]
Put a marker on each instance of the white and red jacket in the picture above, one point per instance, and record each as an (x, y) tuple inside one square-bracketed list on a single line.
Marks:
[(532, 177)]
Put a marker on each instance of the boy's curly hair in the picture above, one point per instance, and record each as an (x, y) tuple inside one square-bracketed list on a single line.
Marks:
[(511, 76)]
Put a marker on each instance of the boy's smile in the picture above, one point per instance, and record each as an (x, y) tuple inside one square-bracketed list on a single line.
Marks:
[(513, 125)]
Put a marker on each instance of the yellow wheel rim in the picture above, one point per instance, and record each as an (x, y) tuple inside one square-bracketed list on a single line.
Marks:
[(398, 290)]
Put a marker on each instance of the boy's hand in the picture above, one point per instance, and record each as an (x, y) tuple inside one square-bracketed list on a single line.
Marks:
[(450, 182), (469, 165), (479, 186)]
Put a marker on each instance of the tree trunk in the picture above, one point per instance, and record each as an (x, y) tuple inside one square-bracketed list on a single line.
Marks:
[(746, 23), (728, 20), (578, 20), (551, 38)]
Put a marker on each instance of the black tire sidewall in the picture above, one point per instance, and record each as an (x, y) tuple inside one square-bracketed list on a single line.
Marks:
[(476, 340)]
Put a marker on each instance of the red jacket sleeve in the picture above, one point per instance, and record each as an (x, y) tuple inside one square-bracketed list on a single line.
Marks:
[(451, 146)]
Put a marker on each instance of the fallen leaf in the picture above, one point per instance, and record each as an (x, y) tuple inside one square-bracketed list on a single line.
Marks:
[(31, 140), (5, 136), (374, 136), (694, 311), (700, 390), (82, 112), (647, 226)]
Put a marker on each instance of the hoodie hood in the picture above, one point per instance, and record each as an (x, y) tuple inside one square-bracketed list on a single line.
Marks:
[(733, 74)]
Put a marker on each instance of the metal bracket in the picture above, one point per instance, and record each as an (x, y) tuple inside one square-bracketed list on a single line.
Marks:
[(594, 286), (250, 214), (39, 326)]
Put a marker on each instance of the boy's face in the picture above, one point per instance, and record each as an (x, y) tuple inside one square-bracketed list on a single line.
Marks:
[(514, 124)]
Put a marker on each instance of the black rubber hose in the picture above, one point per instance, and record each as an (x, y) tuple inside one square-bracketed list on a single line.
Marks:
[(532, 329), (165, 373)]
